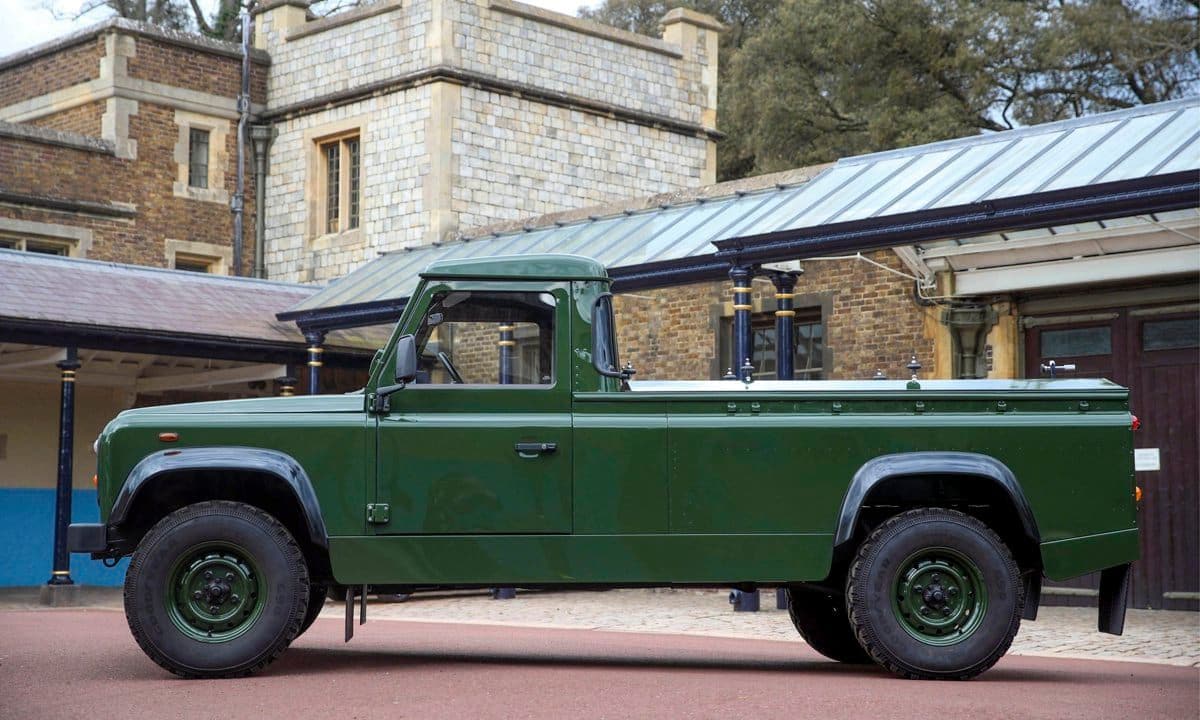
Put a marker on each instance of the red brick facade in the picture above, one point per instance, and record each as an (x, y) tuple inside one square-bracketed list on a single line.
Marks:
[(41, 75), (872, 322), (131, 205)]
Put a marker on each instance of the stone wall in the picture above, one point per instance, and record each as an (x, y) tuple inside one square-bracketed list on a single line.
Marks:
[(322, 58), (471, 112), (513, 41), (395, 165), (518, 158)]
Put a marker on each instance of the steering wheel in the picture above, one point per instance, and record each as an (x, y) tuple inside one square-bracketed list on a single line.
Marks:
[(444, 359)]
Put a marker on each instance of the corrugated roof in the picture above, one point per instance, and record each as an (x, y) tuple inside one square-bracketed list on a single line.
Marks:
[(1130, 144)]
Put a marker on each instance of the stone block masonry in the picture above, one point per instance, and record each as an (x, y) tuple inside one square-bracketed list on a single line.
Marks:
[(469, 112)]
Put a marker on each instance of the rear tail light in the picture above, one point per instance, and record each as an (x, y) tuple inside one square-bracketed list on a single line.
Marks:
[(1137, 493), (1135, 423)]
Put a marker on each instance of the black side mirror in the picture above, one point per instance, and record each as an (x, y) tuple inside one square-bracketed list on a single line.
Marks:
[(406, 372), (406, 359)]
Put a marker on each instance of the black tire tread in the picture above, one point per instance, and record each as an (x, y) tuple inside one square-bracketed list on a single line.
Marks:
[(867, 638), (253, 515), (843, 648), (316, 603)]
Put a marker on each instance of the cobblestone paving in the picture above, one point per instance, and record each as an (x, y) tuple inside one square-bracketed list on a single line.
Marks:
[(1157, 636)]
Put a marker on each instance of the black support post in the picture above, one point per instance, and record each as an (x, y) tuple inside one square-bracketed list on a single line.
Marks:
[(741, 290), (315, 339), (785, 325), (61, 573), (742, 361)]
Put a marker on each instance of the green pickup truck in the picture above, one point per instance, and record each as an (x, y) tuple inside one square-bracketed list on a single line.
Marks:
[(499, 443)]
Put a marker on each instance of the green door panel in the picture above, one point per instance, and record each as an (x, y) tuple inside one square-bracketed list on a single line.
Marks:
[(583, 559), (459, 472), (621, 473)]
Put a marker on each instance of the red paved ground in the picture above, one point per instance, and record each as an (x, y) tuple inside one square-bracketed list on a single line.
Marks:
[(84, 664)]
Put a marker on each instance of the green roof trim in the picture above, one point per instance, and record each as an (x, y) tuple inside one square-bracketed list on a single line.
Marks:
[(519, 267)]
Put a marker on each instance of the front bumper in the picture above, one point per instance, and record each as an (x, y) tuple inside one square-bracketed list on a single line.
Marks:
[(87, 538)]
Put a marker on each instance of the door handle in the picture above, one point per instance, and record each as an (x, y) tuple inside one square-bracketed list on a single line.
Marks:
[(533, 449)]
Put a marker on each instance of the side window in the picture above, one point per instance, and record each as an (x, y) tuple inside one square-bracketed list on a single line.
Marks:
[(487, 338)]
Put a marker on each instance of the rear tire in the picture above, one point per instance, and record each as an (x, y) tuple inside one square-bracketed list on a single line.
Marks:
[(820, 617), (216, 589), (934, 594), (316, 603)]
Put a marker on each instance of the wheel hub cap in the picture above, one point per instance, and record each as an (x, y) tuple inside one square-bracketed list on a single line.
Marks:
[(215, 593), (940, 597)]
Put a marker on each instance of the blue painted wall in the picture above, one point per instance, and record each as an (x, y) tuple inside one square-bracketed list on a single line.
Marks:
[(27, 536)]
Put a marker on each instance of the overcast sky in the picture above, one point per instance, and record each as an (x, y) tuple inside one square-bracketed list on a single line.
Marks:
[(29, 22)]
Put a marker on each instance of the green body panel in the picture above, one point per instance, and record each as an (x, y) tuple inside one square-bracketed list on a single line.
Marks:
[(670, 483), (1072, 557), (578, 559)]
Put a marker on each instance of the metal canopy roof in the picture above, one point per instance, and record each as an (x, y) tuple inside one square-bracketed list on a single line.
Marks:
[(1144, 159)]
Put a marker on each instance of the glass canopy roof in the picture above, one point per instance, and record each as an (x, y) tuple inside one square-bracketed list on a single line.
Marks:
[(1141, 142)]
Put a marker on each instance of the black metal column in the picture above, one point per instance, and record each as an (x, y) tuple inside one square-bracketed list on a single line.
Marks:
[(61, 574), (315, 339), (505, 345), (785, 325), (742, 361), (741, 290)]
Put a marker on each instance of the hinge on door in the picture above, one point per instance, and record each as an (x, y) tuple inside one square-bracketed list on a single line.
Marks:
[(378, 513)]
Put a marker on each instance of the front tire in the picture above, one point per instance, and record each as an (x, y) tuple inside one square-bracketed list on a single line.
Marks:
[(820, 618), (934, 594), (216, 589)]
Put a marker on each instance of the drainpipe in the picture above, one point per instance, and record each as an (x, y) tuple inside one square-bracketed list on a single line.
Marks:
[(261, 135), (238, 204)]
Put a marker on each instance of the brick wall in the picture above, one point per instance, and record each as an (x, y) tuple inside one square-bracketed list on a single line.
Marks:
[(873, 323), (65, 173), (187, 68), (69, 66), (46, 168), (82, 120)]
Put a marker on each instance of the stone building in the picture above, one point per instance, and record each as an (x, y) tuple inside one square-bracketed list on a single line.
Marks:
[(397, 124)]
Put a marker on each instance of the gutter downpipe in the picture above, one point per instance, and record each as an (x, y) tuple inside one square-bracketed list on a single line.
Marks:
[(238, 203), (261, 135)]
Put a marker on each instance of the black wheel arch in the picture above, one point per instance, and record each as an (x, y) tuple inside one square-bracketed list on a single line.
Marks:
[(914, 479), (270, 480)]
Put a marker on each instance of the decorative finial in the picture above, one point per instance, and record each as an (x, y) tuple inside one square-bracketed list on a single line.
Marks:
[(747, 371)]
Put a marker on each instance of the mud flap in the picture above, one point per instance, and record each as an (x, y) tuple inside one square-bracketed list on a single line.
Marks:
[(1033, 595), (1114, 593)]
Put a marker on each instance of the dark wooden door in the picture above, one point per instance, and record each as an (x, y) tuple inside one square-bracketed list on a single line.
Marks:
[(1156, 354)]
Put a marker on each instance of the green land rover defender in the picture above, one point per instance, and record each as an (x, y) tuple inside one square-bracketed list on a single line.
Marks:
[(498, 443)]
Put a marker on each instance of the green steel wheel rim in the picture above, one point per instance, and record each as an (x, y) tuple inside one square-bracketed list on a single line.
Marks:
[(215, 592), (940, 596)]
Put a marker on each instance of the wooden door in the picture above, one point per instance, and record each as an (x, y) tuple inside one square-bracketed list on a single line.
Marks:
[(1155, 354)]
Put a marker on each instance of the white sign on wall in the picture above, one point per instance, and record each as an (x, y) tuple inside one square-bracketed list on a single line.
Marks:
[(1145, 459)]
